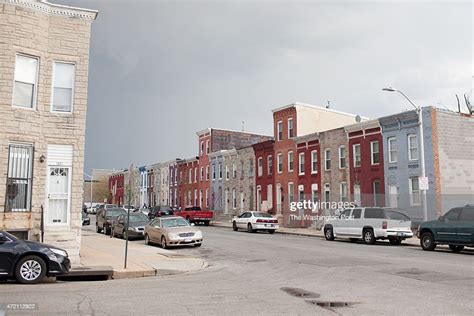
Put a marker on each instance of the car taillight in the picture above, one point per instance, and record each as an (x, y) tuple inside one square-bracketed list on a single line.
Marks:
[(384, 225), (274, 221)]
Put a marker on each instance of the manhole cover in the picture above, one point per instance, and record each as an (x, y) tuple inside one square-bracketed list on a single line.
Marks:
[(330, 304), (299, 292)]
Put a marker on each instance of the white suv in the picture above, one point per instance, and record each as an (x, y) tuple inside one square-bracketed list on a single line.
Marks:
[(369, 224)]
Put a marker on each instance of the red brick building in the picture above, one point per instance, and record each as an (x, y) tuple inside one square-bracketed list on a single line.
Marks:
[(116, 188), (264, 176), (188, 187), (366, 163), (290, 121)]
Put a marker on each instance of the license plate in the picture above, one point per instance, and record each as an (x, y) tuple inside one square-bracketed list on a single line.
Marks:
[(188, 240), (268, 225), (400, 234)]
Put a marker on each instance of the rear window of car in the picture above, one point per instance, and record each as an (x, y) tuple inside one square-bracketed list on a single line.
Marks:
[(262, 214), (138, 218), (467, 214), (374, 213), (397, 216), (114, 212)]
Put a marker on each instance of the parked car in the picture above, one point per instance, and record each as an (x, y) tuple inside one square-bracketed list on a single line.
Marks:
[(143, 210), (127, 207), (369, 224), (171, 231), (194, 214), (254, 221), (106, 217), (455, 228), (93, 209), (86, 220), (136, 226), (160, 210), (28, 261)]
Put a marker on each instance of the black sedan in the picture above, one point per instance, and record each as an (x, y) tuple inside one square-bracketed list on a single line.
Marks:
[(136, 225), (28, 261)]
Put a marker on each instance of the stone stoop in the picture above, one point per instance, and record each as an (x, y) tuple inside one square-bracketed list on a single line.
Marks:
[(221, 217), (67, 240)]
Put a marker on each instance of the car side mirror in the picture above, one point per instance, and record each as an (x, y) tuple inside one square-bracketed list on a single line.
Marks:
[(441, 218)]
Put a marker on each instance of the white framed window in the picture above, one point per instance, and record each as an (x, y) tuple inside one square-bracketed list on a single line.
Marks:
[(190, 176), (412, 147), (227, 172), (327, 159), (314, 161), (195, 197), (291, 192), (202, 148), (250, 167), (301, 193), (202, 174), (314, 192), (62, 99), (213, 172), (25, 82), (280, 130), (260, 166), (195, 174), (301, 163), (280, 163), (327, 192), (234, 199), (270, 164), (234, 171), (220, 170), (374, 153), (207, 172), (290, 161), (207, 147), (392, 149), (342, 157), (290, 128), (343, 191), (414, 189), (356, 154)]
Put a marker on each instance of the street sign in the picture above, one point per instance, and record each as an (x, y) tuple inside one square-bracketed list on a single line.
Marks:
[(424, 183)]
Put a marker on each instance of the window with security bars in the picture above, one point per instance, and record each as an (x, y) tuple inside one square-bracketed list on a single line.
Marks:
[(19, 178)]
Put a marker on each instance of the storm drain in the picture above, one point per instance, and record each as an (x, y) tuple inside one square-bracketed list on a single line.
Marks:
[(299, 292)]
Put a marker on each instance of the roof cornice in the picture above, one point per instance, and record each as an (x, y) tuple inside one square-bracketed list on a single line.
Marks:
[(55, 9)]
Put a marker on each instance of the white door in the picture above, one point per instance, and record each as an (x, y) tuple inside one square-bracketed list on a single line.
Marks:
[(357, 197), (393, 195), (58, 195), (259, 199)]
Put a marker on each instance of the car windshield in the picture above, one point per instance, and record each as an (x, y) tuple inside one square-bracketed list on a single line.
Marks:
[(9, 235), (114, 212), (397, 216), (174, 222), (262, 214), (166, 209), (138, 218)]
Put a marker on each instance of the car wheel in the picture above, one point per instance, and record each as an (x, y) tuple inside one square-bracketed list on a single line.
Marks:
[(147, 240), (369, 237), (249, 228), (427, 241), (234, 226), (163, 242), (30, 270), (328, 233), (197, 245), (456, 248), (271, 231)]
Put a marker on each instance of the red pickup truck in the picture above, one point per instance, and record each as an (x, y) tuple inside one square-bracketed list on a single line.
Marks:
[(194, 214)]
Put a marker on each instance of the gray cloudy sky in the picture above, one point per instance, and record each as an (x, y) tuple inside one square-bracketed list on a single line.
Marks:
[(162, 70)]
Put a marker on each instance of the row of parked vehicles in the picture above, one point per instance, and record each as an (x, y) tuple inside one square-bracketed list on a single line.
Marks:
[(455, 228), (160, 225)]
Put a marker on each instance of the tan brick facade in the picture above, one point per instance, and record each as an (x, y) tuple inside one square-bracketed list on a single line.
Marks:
[(50, 34)]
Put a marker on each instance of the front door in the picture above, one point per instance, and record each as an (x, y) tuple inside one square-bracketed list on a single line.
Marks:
[(278, 198), (226, 201), (446, 229), (259, 199), (393, 195), (58, 195)]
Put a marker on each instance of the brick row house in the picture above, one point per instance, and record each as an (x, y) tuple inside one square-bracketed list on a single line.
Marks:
[(44, 53)]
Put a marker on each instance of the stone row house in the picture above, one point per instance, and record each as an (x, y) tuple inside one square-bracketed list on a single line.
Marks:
[(44, 58)]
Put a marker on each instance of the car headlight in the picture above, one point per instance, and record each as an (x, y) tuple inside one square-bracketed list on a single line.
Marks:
[(198, 234), (174, 236), (59, 252)]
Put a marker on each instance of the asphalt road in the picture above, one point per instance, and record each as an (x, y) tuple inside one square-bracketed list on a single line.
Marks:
[(248, 274)]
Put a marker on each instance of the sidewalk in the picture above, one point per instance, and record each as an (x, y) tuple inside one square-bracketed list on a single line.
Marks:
[(143, 260), (309, 232)]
